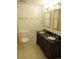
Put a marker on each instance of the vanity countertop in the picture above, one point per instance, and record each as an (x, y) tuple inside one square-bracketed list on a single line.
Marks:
[(48, 37)]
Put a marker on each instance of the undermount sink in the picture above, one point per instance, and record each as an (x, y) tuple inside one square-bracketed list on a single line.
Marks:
[(51, 38), (41, 32)]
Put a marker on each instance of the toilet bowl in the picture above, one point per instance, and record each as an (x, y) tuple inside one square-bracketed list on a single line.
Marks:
[(24, 39)]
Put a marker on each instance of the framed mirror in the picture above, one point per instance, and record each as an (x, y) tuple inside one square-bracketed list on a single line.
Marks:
[(47, 20), (57, 19), (59, 24)]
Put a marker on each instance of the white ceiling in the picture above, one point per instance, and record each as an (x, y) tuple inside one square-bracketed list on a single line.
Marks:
[(31, 1), (36, 2)]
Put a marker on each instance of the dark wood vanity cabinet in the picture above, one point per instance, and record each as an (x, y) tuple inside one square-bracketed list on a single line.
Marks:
[(52, 49)]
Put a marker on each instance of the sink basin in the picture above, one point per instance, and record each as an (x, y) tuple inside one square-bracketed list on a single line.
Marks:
[(51, 38), (41, 32)]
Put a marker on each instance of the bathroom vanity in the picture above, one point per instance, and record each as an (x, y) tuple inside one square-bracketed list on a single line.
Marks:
[(50, 43)]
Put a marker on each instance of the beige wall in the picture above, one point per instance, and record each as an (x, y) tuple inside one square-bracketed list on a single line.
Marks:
[(29, 19)]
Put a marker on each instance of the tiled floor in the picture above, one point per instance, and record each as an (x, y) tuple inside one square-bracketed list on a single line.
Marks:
[(30, 50)]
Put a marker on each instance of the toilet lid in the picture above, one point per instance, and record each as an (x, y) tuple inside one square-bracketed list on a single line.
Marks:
[(25, 39)]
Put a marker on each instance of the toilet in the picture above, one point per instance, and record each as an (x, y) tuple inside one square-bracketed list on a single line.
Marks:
[(23, 38)]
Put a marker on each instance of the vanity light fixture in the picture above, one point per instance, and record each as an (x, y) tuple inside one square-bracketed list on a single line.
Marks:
[(49, 4)]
